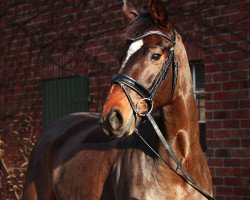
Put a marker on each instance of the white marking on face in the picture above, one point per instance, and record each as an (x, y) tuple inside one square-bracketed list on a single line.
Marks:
[(134, 47)]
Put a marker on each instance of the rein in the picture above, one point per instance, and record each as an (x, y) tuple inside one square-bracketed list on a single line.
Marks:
[(148, 96)]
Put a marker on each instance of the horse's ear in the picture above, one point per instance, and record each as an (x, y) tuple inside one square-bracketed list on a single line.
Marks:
[(130, 12), (159, 13)]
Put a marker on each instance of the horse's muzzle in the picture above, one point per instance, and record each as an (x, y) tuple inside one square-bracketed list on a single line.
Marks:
[(113, 123)]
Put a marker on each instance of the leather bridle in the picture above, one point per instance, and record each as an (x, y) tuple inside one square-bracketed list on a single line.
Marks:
[(124, 81), (148, 96)]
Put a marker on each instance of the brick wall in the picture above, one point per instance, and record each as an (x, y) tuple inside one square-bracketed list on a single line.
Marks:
[(54, 39), (227, 71)]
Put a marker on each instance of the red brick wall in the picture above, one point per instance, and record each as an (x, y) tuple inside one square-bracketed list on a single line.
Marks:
[(46, 40), (227, 71)]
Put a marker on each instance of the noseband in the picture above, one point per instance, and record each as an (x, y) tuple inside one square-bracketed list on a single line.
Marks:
[(148, 96)]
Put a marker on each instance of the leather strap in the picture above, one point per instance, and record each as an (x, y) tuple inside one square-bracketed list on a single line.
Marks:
[(172, 40), (131, 83)]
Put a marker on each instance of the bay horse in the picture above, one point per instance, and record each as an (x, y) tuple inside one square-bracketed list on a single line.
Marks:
[(147, 146)]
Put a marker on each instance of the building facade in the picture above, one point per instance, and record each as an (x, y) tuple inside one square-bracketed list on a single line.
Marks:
[(49, 48)]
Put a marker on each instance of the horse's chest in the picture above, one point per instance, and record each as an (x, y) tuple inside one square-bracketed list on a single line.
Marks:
[(147, 180), (146, 185), (136, 188), (138, 180)]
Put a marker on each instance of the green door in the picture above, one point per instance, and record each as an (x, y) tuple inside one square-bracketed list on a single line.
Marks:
[(63, 96)]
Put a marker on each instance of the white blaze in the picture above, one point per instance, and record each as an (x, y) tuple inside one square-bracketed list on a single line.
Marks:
[(134, 47)]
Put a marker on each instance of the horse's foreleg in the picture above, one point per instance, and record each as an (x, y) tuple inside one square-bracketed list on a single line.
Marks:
[(29, 189), (37, 185), (29, 192)]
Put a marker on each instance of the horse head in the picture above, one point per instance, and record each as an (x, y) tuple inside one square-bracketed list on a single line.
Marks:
[(146, 79)]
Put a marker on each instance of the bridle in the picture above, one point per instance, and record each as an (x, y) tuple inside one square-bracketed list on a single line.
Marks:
[(148, 96)]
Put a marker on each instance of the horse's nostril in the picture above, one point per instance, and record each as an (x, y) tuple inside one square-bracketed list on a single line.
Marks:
[(115, 119)]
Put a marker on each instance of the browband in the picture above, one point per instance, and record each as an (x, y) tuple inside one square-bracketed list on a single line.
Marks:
[(156, 33)]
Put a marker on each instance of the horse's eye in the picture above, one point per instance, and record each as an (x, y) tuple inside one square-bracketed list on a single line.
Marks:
[(155, 56)]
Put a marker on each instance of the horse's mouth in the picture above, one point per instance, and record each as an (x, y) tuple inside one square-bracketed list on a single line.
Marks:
[(126, 130)]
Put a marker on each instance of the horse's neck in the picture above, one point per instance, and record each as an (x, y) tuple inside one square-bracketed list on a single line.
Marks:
[(181, 124), (181, 118)]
